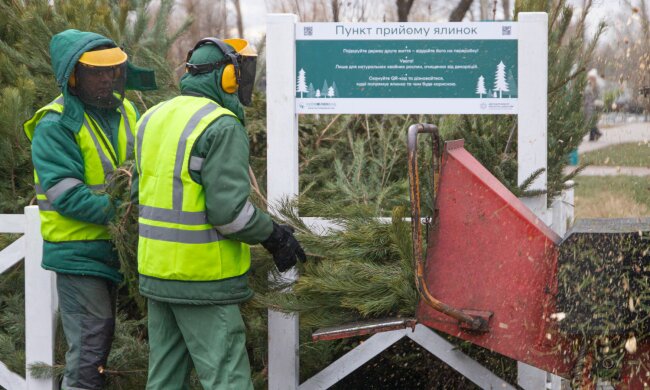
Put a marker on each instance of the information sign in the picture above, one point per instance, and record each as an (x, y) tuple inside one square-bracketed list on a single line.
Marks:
[(435, 68)]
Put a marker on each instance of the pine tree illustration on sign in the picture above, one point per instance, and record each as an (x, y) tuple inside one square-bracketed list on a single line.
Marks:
[(330, 92), (317, 93), (500, 83), (324, 89), (336, 90), (311, 92), (480, 86), (302, 82)]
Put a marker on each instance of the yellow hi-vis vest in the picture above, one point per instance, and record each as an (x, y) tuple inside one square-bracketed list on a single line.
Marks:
[(100, 160), (176, 240)]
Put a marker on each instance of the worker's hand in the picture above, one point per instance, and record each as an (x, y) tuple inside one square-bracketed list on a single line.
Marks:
[(284, 247)]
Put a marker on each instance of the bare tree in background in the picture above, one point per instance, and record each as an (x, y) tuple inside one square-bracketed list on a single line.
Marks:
[(624, 59), (336, 5), (210, 18), (461, 9), (403, 9), (506, 9), (240, 19), (484, 6), (313, 11)]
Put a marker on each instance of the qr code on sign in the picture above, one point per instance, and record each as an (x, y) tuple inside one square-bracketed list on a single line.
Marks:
[(308, 30), (506, 30)]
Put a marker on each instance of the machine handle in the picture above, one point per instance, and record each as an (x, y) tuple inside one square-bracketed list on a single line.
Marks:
[(473, 323)]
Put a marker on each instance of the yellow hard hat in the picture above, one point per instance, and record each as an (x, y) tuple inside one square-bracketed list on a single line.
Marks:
[(241, 46), (105, 57)]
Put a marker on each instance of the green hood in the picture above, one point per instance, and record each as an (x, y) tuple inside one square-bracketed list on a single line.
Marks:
[(206, 85), (65, 50)]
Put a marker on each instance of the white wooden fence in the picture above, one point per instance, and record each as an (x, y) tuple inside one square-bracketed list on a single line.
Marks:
[(41, 301)]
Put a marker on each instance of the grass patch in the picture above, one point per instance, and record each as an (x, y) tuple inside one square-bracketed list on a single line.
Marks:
[(612, 196), (635, 154)]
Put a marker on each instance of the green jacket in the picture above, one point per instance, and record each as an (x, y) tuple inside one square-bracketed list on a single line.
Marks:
[(56, 155), (224, 146)]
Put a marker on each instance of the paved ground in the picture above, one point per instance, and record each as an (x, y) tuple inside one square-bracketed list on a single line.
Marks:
[(622, 133), (615, 171)]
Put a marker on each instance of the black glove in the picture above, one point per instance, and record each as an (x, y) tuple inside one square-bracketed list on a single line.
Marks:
[(284, 247)]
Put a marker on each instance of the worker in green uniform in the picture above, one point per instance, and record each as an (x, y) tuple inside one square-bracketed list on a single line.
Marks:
[(78, 140), (196, 221)]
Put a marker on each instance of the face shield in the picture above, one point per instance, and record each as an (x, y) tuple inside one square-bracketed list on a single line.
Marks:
[(99, 78), (247, 64)]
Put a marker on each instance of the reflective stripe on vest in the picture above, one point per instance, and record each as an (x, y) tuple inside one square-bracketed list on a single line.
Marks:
[(176, 240), (129, 135), (98, 167), (107, 164)]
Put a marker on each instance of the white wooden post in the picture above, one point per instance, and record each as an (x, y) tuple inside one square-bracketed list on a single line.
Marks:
[(532, 137), (282, 182), (529, 377), (9, 256), (40, 303)]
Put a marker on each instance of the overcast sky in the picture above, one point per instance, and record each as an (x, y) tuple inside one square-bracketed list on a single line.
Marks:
[(254, 14)]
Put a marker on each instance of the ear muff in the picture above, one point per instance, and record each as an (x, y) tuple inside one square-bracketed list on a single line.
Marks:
[(230, 76), (229, 79)]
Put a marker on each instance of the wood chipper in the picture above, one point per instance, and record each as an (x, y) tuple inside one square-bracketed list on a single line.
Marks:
[(497, 276)]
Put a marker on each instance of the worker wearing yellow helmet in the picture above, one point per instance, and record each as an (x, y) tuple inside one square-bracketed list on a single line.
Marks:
[(196, 221), (78, 139)]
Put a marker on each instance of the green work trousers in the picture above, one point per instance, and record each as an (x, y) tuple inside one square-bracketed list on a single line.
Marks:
[(87, 308), (212, 338)]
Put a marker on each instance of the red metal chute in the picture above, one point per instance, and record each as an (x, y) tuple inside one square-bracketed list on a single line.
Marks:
[(488, 253)]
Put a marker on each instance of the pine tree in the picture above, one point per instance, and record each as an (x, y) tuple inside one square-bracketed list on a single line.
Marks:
[(330, 92), (488, 137), (310, 91)]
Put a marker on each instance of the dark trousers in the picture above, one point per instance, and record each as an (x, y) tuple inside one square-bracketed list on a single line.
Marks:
[(594, 134), (87, 308)]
